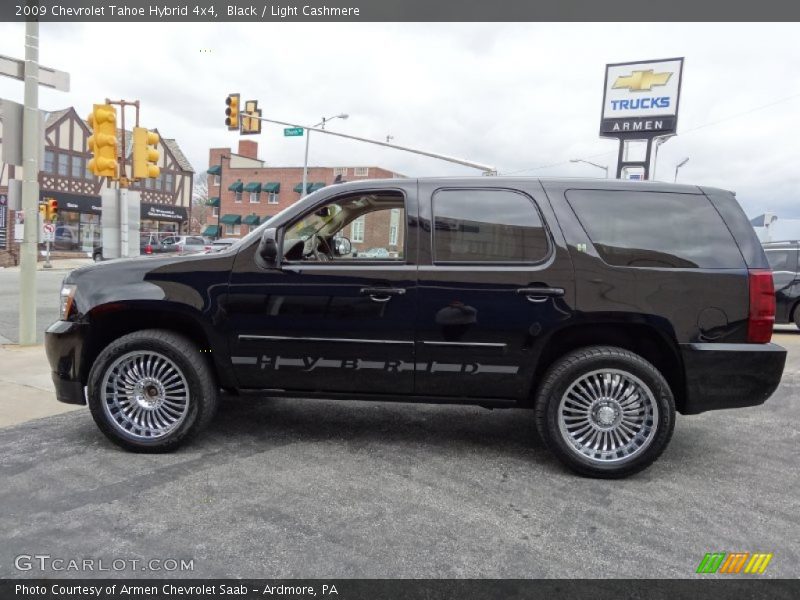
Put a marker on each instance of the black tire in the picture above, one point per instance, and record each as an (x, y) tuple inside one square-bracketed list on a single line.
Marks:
[(97, 257), (194, 377), (655, 429), (797, 316)]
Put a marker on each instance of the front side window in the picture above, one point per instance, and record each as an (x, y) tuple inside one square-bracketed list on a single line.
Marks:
[(655, 229), (356, 227), (487, 225)]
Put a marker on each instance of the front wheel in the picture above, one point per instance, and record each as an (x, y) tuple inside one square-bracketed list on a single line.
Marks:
[(151, 391), (605, 411)]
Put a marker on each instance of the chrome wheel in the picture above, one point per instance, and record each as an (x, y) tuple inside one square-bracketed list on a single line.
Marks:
[(145, 395), (608, 416)]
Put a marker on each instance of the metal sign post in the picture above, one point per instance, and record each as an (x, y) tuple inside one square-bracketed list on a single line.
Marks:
[(48, 234)]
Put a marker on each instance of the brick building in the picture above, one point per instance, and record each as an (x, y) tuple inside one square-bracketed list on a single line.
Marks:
[(65, 177), (243, 192)]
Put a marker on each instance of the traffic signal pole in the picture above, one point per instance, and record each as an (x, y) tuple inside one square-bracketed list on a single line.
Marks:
[(487, 170), (30, 188)]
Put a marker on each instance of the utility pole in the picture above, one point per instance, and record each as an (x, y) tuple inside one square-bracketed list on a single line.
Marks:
[(25, 149), (30, 187)]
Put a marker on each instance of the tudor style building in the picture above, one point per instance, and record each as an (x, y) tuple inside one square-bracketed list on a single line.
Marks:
[(65, 177)]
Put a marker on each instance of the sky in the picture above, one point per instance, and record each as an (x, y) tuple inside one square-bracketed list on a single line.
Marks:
[(522, 97)]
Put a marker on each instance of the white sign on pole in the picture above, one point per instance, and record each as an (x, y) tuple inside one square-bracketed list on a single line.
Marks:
[(48, 232), (641, 97)]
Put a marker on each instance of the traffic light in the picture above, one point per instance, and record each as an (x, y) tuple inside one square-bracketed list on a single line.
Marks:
[(232, 112), (52, 209), (145, 155), (103, 141), (43, 210), (251, 125)]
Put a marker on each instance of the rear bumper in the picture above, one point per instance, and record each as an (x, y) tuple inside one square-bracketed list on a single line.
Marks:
[(730, 375), (63, 343)]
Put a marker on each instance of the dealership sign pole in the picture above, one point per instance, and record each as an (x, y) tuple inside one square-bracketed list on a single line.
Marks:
[(640, 103)]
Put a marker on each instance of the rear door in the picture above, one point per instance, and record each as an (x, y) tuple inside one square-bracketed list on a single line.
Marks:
[(495, 279)]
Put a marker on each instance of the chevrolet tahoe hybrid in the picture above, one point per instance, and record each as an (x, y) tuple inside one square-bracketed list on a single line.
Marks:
[(603, 306)]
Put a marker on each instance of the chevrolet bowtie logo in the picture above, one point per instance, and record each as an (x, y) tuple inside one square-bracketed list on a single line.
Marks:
[(640, 81)]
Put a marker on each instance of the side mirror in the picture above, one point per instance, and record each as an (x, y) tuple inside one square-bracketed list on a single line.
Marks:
[(268, 247), (342, 246)]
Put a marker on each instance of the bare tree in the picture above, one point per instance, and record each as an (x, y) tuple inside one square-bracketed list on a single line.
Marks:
[(199, 204)]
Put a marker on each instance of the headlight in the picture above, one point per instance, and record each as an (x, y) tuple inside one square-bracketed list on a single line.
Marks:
[(67, 299)]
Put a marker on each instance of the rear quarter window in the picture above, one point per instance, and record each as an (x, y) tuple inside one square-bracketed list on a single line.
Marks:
[(655, 229)]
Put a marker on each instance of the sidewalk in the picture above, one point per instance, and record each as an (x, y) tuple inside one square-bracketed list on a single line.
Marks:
[(28, 391), (59, 264)]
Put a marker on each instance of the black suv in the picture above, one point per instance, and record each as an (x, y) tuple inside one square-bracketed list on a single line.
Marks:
[(782, 258), (604, 306)]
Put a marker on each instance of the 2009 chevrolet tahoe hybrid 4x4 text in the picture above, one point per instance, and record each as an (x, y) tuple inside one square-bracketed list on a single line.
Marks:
[(605, 306)]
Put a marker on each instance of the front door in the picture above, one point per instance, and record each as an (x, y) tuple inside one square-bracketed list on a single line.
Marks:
[(338, 314), (494, 281)]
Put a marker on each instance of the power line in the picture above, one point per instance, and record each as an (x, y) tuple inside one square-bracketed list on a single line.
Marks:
[(684, 132)]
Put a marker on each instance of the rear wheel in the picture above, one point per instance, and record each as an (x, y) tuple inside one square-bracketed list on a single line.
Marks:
[(151, 391), (605, 411)]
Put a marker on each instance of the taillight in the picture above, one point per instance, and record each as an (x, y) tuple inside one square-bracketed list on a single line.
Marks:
[(148, 249), (762, 306)]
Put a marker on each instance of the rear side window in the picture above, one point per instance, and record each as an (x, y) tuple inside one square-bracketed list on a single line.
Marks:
[(487, 226), (195, 241), (654, 229)]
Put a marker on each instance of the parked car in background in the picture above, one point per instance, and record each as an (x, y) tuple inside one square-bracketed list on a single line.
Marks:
[(66, 238), (187, 244), (221, 244), (783, 257), (157, 243), (149, 243), (375, 253)]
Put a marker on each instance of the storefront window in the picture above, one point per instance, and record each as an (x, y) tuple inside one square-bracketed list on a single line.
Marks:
[(67, 231)]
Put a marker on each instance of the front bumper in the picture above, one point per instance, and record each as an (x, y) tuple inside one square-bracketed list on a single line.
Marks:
[(730, 375), (63, 343)]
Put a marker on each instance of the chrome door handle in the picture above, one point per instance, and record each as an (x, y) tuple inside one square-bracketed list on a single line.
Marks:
[(537, 295), (378, 294)]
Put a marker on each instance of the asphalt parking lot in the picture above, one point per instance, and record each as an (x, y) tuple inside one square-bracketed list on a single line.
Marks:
[(289, 488)]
